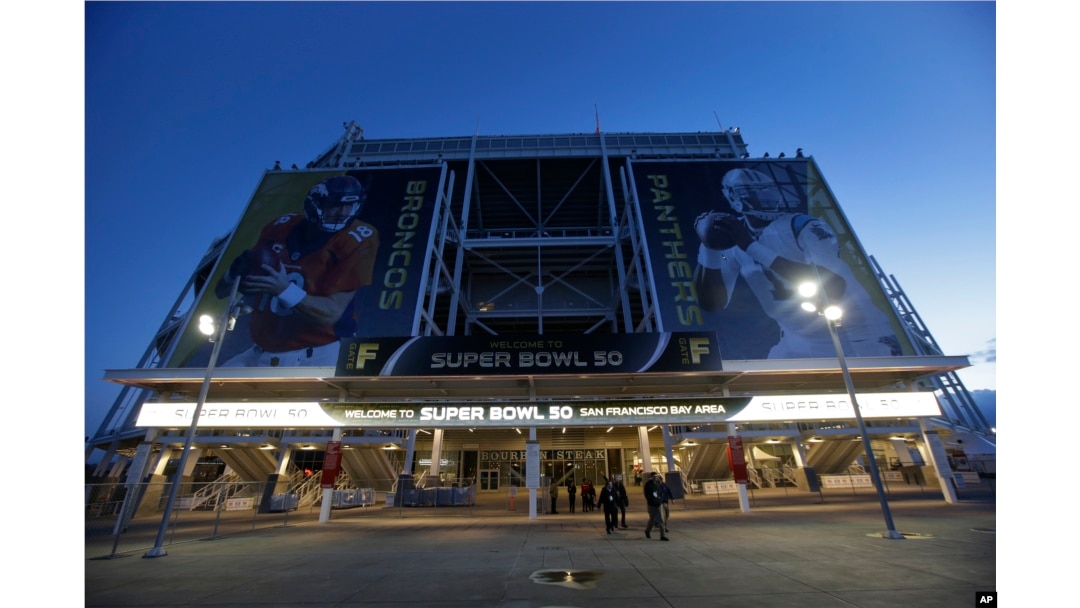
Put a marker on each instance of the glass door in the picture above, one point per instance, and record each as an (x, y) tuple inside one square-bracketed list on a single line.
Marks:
[(489, 480)]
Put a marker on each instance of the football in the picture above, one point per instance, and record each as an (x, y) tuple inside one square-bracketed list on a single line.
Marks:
[(259, 255), (716, 229)]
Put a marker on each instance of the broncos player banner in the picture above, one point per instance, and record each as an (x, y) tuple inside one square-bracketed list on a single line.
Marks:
[(728, 244), (321, 256)]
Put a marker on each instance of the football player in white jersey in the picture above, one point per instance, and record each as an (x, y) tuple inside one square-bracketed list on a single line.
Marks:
[(774, 250)]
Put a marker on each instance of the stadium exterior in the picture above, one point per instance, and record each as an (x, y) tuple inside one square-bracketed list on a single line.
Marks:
[(532, 317)]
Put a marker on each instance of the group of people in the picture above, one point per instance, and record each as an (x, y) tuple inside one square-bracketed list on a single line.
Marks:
[(614, 500), (588, 495)]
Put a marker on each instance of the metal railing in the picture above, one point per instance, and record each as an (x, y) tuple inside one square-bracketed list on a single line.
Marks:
[(755, 477), (214, 492), (125, 518)]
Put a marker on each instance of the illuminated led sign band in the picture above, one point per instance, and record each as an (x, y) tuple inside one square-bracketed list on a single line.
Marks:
[(549, 413)]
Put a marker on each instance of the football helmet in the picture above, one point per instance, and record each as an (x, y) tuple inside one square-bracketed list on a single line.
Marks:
[(333, 192), (754, 194)]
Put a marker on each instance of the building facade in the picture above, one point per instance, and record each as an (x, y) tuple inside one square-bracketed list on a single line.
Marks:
[(496, 310)]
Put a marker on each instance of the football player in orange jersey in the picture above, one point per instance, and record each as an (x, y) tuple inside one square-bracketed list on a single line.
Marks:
[(301, 275)]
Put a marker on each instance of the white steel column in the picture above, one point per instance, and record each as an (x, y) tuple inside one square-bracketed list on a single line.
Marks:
[(744, 501), (646, 452), (193, 459), (436, 454), (665, 432), (284, 458), (940, 460), (410, 452), (162, 461), (532, 490), (463, 233), (328, 493), (799, 452)]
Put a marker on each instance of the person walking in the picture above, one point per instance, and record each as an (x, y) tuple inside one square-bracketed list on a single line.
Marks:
[(653, 501), (624, 500), (571, 489), (665, 500), (554, 491), (609, 502)]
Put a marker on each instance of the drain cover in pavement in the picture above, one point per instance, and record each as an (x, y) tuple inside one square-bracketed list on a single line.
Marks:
[(912, 535), (573, 579)]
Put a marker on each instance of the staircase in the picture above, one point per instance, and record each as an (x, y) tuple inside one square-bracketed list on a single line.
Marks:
[(833, 457), (214, 493), (369, 468), (710, 461), (250, 465)]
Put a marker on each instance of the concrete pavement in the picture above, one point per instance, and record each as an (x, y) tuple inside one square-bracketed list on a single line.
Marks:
[(790, 549)]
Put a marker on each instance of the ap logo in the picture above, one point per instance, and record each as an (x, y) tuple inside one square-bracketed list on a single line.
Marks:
[(986, 598)]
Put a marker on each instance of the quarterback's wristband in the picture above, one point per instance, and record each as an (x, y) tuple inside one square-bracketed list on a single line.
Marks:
[(292, 295), (761, 254), (713, 259)]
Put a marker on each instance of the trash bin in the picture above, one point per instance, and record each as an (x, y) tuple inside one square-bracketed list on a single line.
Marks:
[(284, 502), (406, 491), (674, 482), (444, 497)]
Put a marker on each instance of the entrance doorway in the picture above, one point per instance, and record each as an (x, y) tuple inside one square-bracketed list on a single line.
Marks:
[(489, 480)]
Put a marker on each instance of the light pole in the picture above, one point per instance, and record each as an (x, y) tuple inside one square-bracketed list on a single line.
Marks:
[(813, 302), (217, 335)]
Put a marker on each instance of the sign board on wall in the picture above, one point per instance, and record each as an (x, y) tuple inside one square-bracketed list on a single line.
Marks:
[(737, 458), (331, 464), (517, 355), (532, 464), (548, 413)]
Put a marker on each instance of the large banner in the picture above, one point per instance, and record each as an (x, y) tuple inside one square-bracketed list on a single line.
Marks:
[(729, 243), (317, 257), (523, 355)]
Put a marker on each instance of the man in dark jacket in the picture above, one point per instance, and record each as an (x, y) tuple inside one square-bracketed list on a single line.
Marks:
[(625, 502), (609, 501), (665, 500), (654, 498)]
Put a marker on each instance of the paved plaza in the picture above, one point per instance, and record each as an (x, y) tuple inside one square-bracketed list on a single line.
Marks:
[(790, 549)]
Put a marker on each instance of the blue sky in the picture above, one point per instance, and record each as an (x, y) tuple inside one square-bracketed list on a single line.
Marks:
[(186, 104)]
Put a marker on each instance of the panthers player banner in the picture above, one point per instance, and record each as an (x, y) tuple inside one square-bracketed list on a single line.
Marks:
[(729, 243), (319, 256), (524, 355)]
